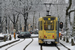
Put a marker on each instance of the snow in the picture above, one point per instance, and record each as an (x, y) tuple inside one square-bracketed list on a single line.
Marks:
[(34, 45), (20, 46), (8, 41), (1, 35), (49, 48), (34, 34), (68, 45), (2, 43), (9, 45), (61, 47)]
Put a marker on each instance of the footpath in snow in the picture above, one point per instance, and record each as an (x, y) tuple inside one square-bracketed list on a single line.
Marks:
[(68, 45), (2, 44)]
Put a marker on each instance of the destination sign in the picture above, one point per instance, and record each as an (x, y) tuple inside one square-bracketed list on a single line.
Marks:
[(49, 18)]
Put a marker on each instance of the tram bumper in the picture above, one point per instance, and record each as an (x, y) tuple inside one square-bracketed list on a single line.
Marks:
[(49, 40)]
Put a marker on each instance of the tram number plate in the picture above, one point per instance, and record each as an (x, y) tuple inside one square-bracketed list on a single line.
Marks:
[(49, 35)]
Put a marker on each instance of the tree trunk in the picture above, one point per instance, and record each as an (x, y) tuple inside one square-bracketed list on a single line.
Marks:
[(73, 27), (25, 25), (67, 14), (25, 21), (14, 25)]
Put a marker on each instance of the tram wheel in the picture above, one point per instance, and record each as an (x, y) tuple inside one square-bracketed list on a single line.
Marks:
[(40, 43), (55, 44)]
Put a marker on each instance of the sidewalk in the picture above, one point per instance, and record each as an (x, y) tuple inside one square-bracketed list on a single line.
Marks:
[(68, 45), (2, 44)]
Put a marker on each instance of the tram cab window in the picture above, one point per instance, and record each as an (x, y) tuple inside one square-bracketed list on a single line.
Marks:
[(44, 22), (49, 25), (56, 25), (49, 22), (40, 25)]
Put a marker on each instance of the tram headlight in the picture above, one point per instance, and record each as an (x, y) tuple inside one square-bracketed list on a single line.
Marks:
[(51, 21)]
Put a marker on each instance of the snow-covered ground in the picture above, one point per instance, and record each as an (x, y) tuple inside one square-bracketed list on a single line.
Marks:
[(34, 35), (8, 41), (68, 45), (3, 48), (35, 46), (2, 43), (21, 45)]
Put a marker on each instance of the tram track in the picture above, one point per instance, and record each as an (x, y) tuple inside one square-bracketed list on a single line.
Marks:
[(57, 47), (28, 44), (48, 46), (9, 43), (65, 46), (14, 45), (41, 47)]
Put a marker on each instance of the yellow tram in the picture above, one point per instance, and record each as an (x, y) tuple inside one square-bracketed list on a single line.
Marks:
[(48, 30)]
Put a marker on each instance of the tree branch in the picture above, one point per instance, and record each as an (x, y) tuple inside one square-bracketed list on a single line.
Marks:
[(10, 19), (70, 3), (17, 18), (71, 11), (69, 14), (2, 20)]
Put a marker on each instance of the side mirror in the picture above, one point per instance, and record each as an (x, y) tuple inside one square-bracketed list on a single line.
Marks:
[(61, 25)]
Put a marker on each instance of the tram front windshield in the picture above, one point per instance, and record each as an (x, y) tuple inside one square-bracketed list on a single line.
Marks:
[(49, 25)]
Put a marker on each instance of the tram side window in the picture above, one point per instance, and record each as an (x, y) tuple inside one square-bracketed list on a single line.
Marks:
[(56, 25), (41, 25)]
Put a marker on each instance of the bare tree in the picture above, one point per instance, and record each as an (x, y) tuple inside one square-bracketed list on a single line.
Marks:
[(27, 5), (66, 22), (68, 11), (14, 20)]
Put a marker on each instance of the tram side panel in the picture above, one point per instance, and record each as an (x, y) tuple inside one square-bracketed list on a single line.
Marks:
[(40, 32)]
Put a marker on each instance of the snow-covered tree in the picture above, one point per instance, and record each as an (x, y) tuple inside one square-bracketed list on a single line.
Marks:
[(25, 7)]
